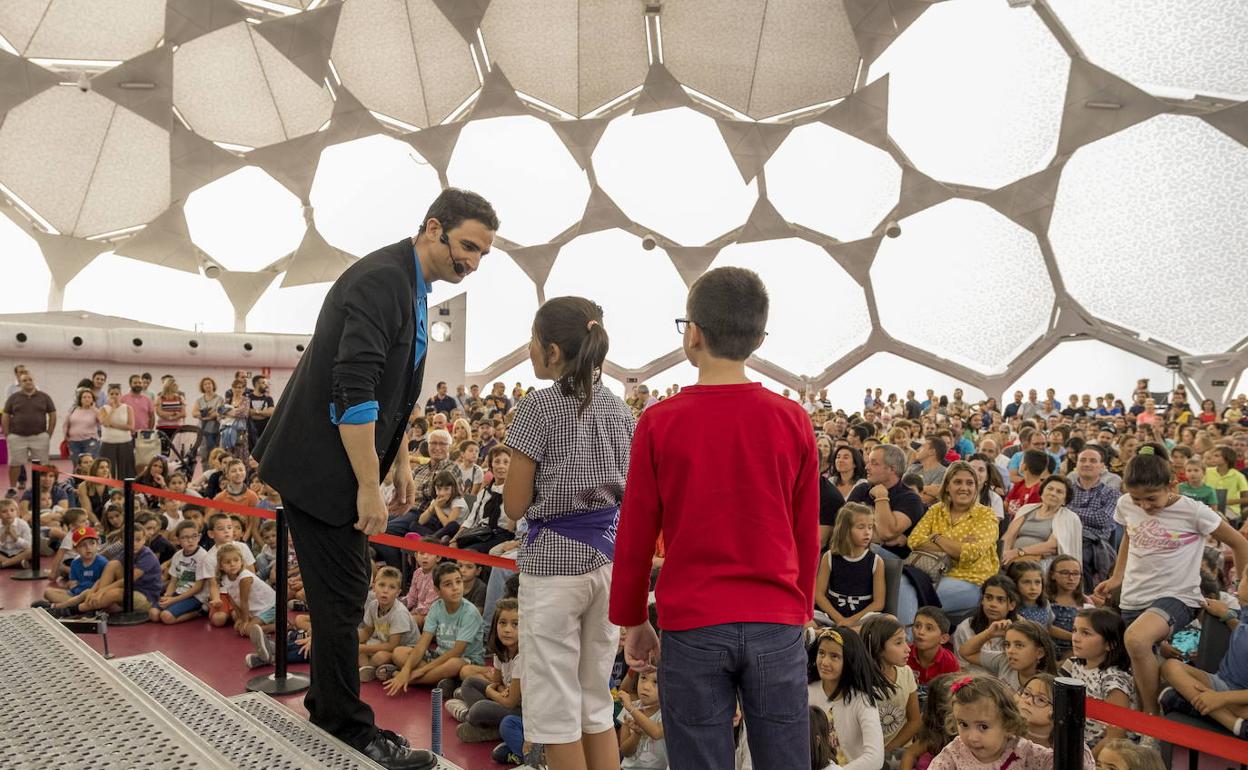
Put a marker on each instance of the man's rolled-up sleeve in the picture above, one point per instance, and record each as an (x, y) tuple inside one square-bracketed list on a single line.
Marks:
[(373, 309)]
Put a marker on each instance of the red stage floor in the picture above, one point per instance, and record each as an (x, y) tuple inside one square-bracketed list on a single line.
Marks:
[(215, 655)]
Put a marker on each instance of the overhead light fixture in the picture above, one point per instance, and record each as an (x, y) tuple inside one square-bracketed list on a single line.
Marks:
[(1021, 3), (212, 270), (136, 85), (440, 331), (1094, 105)]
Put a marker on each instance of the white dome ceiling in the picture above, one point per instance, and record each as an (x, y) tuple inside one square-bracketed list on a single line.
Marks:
[(1051, 182)]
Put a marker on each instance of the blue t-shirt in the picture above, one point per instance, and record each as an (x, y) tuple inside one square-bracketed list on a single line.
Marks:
[(85, 575), (1234, 666), (464, 625), (149, 583)]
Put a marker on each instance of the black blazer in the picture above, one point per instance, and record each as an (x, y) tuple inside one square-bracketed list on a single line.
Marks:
[(363, 350)]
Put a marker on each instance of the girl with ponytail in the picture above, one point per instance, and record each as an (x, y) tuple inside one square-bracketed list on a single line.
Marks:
[(1158, 566), (569, 458)]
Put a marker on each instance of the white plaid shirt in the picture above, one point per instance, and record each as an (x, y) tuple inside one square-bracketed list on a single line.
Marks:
[(581, 466)]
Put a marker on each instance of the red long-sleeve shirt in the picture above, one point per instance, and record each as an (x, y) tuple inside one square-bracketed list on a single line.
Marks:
[(729, 475)]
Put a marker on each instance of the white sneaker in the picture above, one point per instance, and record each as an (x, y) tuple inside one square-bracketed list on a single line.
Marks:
[(458, 709), (367, 673), (264, 647)]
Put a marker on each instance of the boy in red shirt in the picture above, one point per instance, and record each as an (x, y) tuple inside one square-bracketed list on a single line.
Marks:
[(728, 473), (929, 656)]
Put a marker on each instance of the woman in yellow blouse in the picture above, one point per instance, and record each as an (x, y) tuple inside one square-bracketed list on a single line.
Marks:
[(964, 529)]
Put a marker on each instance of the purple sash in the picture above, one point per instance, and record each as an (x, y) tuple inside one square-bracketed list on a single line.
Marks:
[(595, 529)]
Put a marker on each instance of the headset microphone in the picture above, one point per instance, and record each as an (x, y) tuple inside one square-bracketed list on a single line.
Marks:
[(459, 269)]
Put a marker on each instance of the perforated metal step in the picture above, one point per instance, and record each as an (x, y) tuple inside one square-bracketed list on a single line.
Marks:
[(50, 679), (327, 749), (246, 741)]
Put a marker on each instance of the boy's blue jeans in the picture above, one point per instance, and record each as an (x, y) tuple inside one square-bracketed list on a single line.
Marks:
[(702, 674), (511, 730)]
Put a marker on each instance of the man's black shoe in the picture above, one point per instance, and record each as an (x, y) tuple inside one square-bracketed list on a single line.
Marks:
[(392, 756), (392, 735)]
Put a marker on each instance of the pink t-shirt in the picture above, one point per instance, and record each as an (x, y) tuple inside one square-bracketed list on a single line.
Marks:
[(82, 424), (422, 594), (141, 405)]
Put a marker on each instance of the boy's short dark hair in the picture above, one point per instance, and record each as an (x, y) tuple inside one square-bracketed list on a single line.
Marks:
[(442, 570), (217, 517), (1035, 461), (145, 517), (729, 306), (937, 616), (184, 526)]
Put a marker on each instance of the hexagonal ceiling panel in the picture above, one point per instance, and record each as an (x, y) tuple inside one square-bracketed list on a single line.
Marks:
[(800, 277), (831, 182), (83, 163), (975, 92), (185, 300), (967, 244), (744, 52), (671, 170), (403, 59), (245, 220), (501, 302), (233, 86), (896, 375), (364, 193), (1168, 194), (612, 269), (1166, 47), (519, 164), (1065, 368), (101, 30), (573, 54)]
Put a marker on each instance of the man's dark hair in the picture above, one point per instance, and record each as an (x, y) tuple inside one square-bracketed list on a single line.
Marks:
[(441, 384), (729, 306), (454, 206), (146, 375), (99, 371), (255, 380), (938, 446)]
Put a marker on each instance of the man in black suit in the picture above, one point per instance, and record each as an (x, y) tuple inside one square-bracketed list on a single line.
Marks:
[(338, 428)]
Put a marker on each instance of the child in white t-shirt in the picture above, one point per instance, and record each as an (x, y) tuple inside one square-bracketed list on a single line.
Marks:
[(386, 624), (1158, 567), (221, 529), (190, 571), (255, 602)]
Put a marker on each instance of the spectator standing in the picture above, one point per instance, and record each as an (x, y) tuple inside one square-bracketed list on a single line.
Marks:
[(259, 406), (117, 435), (170, 408), (82, 427), (140, 405), (29, 419), (441, 402), (208, 412)]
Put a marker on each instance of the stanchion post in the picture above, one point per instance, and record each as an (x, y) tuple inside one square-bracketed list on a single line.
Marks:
[(280, 682), (128, 616), (1069, 697), (36, 529), (435, 722)]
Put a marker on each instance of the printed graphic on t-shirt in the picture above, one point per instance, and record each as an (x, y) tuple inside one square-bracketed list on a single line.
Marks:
[(1151, 534)]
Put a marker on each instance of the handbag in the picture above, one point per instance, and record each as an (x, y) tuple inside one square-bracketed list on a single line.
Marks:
[(146, 446), (933, 565), (474, 535)]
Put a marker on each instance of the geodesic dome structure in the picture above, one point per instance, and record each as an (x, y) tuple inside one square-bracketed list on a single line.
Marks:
[(1068, 170)]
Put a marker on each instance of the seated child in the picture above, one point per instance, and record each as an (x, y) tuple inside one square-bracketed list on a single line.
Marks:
[(488, 695), (998, 601), (991, 731), (255, 603), (1222, 697), (190, 570), (934, 733), (268, 552), (422, 593), (87, 568), (222, 528), (15, 536), (451, 638), (1194, 485), (474, 587), (386, 624), (156, 540), (641, 730), (65, 554), (108, 591), (1035, 703), (929, 655)]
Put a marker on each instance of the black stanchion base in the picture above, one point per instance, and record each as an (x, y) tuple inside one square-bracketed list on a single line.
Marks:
[(31, 574), (128, 618), (271, 685)]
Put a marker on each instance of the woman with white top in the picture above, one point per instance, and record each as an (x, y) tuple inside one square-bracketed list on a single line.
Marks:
[(117, 434)]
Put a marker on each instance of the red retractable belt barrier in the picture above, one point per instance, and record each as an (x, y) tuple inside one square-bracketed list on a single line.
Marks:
[(1177, 733), (407, 544)]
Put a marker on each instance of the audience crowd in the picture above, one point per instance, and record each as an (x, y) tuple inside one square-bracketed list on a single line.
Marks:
[(971, 553)]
